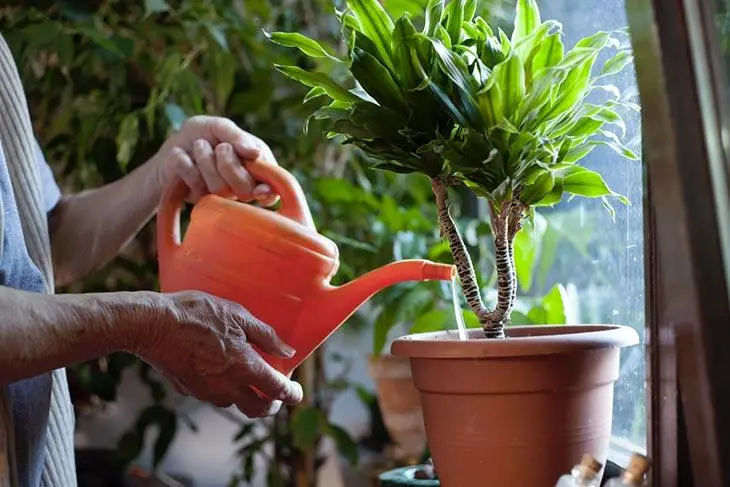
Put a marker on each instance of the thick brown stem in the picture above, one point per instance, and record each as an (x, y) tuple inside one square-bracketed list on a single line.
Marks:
[(505, 224), (462, 260), (514, 224), (497, 319)]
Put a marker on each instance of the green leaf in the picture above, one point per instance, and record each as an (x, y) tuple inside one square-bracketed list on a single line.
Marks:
[(43, 34), (609, 115), (155, 6), (492, 52), (245, 430), (313, 80), (555, 196), (573, 89), (434, 320), (377, 25), (100, 39), (470, 9), (510, 76), (456, 69), (126, 139), (399, 8), (527, 251), (617, 63), (598, 41), (403, 31), (379, 120), (470, 319), (308, 46), (615, 144), (455, 20), (527, 18), (584, 182), (582, 129), (305, 427), (344, 442), (377, 81), (550, 53), (554, 305), (575, 154), (217, 32), (393, 167), (413, 303), (434, 15), (383, 324), (315, 92), (446, 103), (505, 43), (539, 189)]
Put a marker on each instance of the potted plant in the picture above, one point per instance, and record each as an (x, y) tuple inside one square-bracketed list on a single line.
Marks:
[(508, 117)]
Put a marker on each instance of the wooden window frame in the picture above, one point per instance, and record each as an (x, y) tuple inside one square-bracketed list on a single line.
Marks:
[(680, 79)]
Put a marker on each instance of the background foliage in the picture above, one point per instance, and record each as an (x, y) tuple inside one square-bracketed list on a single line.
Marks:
[(108, 80)]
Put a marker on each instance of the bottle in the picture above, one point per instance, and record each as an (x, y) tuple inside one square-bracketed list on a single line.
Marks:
[(634, 474), (584, 474)]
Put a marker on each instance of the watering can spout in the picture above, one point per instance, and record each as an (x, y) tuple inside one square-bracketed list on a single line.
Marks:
[(343, 301)]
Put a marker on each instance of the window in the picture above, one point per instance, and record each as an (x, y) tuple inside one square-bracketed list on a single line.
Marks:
[(600, 261)]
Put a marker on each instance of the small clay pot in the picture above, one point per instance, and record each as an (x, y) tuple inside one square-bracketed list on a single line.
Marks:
[(517, 411), (400, 404)]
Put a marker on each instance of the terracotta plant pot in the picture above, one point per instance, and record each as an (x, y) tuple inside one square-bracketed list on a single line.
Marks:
[(518, 411), (400, 405)]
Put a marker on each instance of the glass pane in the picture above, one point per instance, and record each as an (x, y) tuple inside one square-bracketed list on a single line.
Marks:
[(601, 261)]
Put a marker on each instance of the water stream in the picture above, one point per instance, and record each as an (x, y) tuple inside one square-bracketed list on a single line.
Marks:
[(458, 314)]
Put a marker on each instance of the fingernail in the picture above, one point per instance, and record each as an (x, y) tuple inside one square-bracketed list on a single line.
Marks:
[(245, 151), (274, 408), (298, 390), (288, 351), (262, 191)]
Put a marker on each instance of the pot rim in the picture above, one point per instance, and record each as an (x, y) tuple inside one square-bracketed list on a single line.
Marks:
[(520, 341)]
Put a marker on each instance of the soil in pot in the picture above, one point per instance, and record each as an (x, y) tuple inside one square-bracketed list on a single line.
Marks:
[(400, 405), (517, 411)]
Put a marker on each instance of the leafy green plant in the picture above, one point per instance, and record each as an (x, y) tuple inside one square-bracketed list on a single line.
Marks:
[(508, 117)]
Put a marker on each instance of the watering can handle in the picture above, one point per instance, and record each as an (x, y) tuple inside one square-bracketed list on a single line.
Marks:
[(293, 202)]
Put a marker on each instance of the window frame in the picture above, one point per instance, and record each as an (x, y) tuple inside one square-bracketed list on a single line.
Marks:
[(686, 176)]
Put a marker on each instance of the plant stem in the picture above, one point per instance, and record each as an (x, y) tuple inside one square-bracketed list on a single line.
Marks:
[(497, 319), (514, 224), (462, 260), (506, 223)]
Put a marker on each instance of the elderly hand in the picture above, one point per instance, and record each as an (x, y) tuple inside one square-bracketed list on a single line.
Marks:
[(209, 154), (202, 345)]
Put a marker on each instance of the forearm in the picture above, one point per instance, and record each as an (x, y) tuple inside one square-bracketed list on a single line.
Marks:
[(90, 228), (39, 333)]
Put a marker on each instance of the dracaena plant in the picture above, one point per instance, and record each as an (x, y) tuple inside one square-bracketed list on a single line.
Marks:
[(508, 117)]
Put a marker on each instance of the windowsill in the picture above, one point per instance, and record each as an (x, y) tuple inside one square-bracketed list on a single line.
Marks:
[(619, 455)]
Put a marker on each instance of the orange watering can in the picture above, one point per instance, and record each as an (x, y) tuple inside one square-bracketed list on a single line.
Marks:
[(273, 263)]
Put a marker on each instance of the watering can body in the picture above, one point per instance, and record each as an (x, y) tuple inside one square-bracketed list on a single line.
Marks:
[(274, 263)]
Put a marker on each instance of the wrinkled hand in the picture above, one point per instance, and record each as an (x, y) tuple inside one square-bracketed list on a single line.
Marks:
[(209, 154), (202, 346)]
